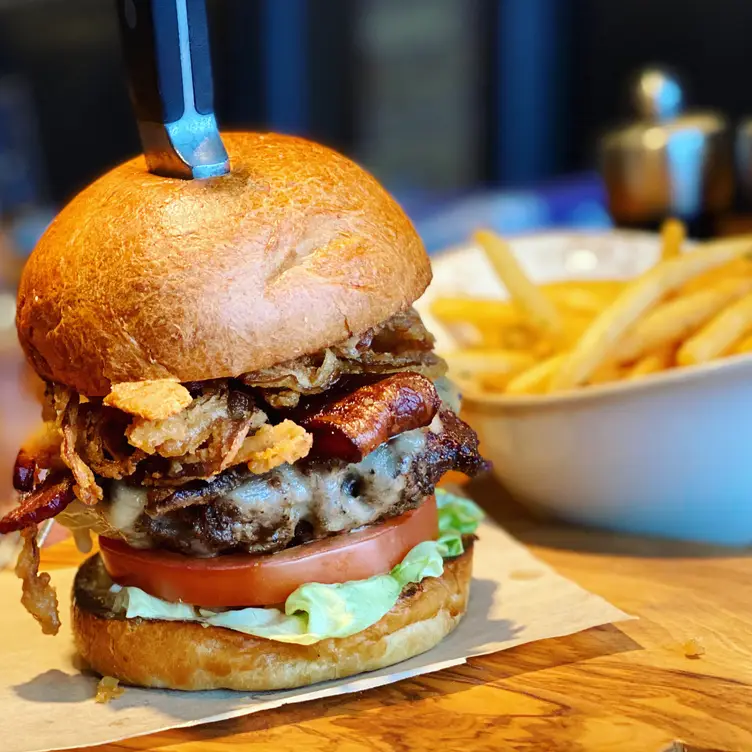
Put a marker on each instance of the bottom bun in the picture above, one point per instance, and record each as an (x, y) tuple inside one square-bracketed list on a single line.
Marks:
[(189, 656)]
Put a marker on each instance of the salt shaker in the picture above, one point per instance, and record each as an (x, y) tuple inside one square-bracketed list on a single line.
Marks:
[(668, 162), (744, 161)]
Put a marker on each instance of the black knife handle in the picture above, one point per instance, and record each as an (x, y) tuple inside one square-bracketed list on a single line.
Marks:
[(166, 53)]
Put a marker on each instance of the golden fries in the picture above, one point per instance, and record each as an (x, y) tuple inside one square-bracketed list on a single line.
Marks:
[(518, 338), (491, 370), (606, 373), (605, 333), (536, 379), (583, 298), (578, 301), (466, 363), (654, 362), (744, 347), (739, 267), (673, 235), (678, 318), (494, 324), (719, 336), (494, 382), (689, 308), (475, 311), (606, 289), (526, 296)]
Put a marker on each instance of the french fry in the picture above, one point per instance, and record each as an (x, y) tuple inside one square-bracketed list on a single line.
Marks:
[(494, 324), (606, 373), (737, 268), (536, 379), (574, 327), (744, 347), (465, 364), (673, 235), (468, 336), (511, 338), (719, 336), (580, 297), (603, 336), (678, 318), (494, 382), (578, 300), (653, 362), (587, 297), (528, 298), (543, 347), (606, 289), (476, 311)]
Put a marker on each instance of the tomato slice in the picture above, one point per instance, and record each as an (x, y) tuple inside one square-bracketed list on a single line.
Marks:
[(264, 580)]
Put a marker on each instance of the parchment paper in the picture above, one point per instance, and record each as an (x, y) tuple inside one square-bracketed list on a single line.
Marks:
[(48, 703)]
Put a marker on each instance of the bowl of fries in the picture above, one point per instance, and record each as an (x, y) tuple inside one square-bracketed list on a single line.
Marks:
[(609, 375)]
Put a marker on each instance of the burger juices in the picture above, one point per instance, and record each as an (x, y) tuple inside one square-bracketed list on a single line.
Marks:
[(243, 405)]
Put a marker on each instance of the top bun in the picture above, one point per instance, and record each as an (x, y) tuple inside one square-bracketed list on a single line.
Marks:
[(144, 277)]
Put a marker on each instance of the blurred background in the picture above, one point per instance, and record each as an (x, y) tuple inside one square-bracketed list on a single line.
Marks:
[(437, 97), (470, 111)]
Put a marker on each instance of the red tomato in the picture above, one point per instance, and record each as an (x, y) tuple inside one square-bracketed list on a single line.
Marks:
[(267, 579)]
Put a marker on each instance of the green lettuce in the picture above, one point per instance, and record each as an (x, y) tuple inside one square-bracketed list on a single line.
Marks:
[(317, 612)]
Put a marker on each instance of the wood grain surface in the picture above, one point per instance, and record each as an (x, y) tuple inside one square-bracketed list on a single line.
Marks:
[(611, 688)]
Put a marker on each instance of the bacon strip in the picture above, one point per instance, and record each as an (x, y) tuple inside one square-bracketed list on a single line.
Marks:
[(353, 426), (48, 499)]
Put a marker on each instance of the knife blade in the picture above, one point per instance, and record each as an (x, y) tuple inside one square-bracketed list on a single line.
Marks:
[(166, 52)]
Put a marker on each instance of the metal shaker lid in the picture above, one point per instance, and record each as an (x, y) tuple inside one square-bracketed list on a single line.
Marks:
[(744, 157), (668, 162)]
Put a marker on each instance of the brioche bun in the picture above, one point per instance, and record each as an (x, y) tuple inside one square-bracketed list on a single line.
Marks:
[(185, 655), (145, 277)]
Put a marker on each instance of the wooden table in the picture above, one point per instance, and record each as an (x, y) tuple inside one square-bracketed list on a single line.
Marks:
[(627, 687)]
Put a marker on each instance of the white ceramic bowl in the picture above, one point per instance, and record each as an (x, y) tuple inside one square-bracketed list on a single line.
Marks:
[(670, 455)]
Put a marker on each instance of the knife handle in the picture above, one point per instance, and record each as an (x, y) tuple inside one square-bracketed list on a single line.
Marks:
[(166, 52)]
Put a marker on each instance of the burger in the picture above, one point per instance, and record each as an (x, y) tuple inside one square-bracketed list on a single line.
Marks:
[(243, 405)]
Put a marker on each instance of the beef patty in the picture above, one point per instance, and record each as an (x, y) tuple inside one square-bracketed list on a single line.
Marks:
[(240, 512)]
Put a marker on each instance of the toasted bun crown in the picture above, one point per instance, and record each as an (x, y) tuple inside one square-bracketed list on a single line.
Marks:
[(143, 277)]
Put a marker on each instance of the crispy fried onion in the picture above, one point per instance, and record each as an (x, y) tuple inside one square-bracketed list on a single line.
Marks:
[(39, 597), (87, 489), (209, 432), (152, 400), (65, 409), (402, 343), (108, 689), (353, 426), (201, 440), (272, 446)]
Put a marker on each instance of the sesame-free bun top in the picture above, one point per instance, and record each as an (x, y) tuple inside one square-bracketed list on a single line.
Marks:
[(144, 277)]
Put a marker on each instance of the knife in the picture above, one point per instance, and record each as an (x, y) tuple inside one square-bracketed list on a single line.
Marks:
[(166, 51)]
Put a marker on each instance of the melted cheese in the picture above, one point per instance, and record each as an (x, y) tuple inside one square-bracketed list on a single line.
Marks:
[(321, 497), (330, 499), (126, 505)]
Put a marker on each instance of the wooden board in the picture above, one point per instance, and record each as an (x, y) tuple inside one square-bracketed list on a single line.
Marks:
[(612, 688)]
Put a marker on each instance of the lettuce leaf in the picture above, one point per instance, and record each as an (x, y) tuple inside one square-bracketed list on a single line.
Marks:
[(317, 612), (457, 514)]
